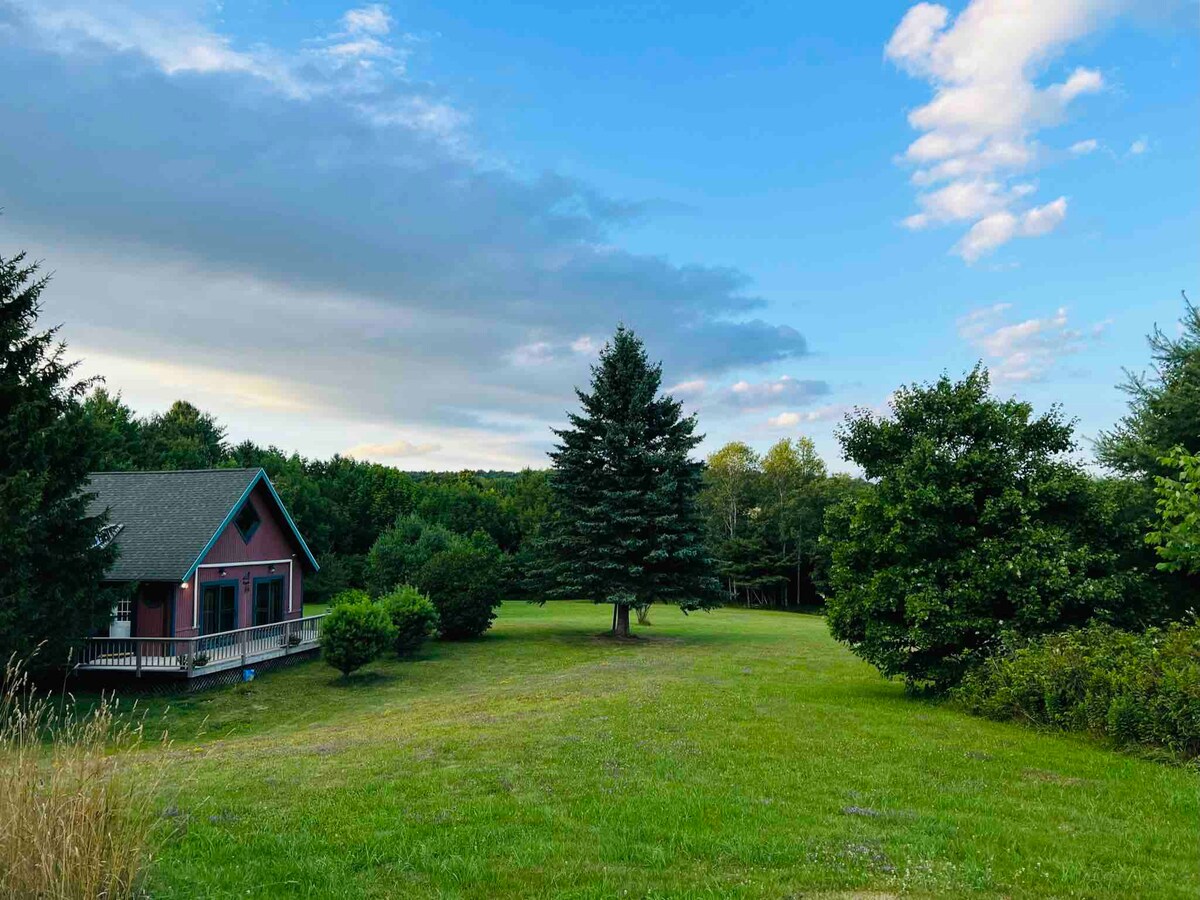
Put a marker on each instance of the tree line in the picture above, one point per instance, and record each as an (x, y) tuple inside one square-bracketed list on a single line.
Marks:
[(342, 506), (764, 515)]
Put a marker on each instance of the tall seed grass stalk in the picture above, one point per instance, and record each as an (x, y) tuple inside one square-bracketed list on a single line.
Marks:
[(78, 814)]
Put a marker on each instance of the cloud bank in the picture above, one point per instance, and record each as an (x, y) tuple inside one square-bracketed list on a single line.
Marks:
[(319, 224)]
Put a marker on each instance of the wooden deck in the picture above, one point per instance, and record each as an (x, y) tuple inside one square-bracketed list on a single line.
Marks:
[(197, 656)]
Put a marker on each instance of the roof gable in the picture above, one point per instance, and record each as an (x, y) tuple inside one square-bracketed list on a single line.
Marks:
[(171, 519)]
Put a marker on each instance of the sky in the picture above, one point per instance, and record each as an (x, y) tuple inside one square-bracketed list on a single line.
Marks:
[(403, 231)]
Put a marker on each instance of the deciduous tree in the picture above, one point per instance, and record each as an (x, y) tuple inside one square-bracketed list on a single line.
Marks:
[(978, 524)]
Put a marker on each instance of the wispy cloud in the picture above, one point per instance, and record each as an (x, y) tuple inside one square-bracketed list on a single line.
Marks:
[(1027, 350), (979, 131), (744, 396), (392, 450), (1140, 146)]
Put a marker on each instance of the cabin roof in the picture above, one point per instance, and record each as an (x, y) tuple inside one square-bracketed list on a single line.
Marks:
[(169, 520)]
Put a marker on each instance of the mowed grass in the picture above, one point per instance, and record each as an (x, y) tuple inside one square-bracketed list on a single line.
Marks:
[(730, 754)]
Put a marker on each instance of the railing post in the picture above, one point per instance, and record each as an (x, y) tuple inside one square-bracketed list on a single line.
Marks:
[(287, 637), (137, 657), (242, 641), (191, 656)]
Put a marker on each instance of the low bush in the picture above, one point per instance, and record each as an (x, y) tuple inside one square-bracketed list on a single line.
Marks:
[(1133, 688), (354, 634), (348, 597), (76, 820), (414, 617), (465, 584)]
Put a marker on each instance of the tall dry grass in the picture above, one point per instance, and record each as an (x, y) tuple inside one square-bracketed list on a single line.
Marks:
[(78, 816)]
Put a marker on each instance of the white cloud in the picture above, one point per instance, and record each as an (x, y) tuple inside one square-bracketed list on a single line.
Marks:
[(341, 64), (978, 130), (585, 345), (1026, 350), (363, 35), (538, 353), (688, 389), (391, 450), (999, 228), (785, 389), (212, 386), (820, 414), (371, 19), (1140, 146), (1083, 148), (743, 395)]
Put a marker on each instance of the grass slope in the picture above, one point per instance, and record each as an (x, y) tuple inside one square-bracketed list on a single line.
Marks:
[(734, 754)]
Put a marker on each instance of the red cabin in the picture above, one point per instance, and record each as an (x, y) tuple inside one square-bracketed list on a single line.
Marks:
[(215, 571)]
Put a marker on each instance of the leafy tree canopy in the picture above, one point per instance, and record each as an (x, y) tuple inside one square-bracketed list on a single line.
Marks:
[(978, 523)]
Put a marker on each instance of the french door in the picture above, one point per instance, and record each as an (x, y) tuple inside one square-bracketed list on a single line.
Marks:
[(218, 609), (268, 601)]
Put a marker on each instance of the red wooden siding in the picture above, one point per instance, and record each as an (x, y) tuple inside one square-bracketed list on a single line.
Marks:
[(272, 540), (152, 615)]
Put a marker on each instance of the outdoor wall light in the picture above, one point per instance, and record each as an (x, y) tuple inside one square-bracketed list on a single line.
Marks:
[(271, 568), (183, 585), (221, 573)]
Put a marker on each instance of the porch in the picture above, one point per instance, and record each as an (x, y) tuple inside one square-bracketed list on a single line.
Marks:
[(192, 657)]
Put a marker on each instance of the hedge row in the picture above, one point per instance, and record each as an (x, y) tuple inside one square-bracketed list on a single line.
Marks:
[(1132, 688)]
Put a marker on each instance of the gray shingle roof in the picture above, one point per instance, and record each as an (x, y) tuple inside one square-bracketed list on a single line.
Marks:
[(168, 517)]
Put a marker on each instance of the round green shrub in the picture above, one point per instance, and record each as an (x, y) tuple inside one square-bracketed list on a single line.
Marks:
[(354, 634), (349, 596), (464, 583), (399, 552), (414, 617)]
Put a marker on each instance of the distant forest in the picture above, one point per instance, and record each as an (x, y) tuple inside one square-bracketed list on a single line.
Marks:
[(763, 514)]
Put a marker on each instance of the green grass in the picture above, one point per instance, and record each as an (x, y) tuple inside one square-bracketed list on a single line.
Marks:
[(732, 754)]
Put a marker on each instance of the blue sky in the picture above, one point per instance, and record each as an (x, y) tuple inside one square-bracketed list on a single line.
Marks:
[(403, 230)]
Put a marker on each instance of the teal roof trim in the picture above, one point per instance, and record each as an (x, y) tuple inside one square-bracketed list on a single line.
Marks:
[(260, 477)]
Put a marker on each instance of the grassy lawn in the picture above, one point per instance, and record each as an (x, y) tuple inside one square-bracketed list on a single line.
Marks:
[(733, 754)]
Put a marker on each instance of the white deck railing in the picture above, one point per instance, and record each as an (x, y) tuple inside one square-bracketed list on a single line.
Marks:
[(202, 654)]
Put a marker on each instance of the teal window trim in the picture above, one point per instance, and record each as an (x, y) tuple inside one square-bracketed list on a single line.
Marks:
[(266, 579), (247, 532), (202, 586)]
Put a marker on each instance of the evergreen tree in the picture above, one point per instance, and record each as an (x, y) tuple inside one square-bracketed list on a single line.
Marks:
[(183, 438), (1164, 408), (117, 437), (51, 562), (625, 528)]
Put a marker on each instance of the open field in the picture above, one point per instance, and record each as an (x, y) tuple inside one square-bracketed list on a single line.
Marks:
[(732, 754)]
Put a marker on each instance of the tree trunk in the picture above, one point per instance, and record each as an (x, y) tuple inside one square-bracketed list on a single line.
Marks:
[(621, 628)]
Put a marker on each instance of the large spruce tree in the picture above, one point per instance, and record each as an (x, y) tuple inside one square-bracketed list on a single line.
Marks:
[(50, 560), (625, 528)]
